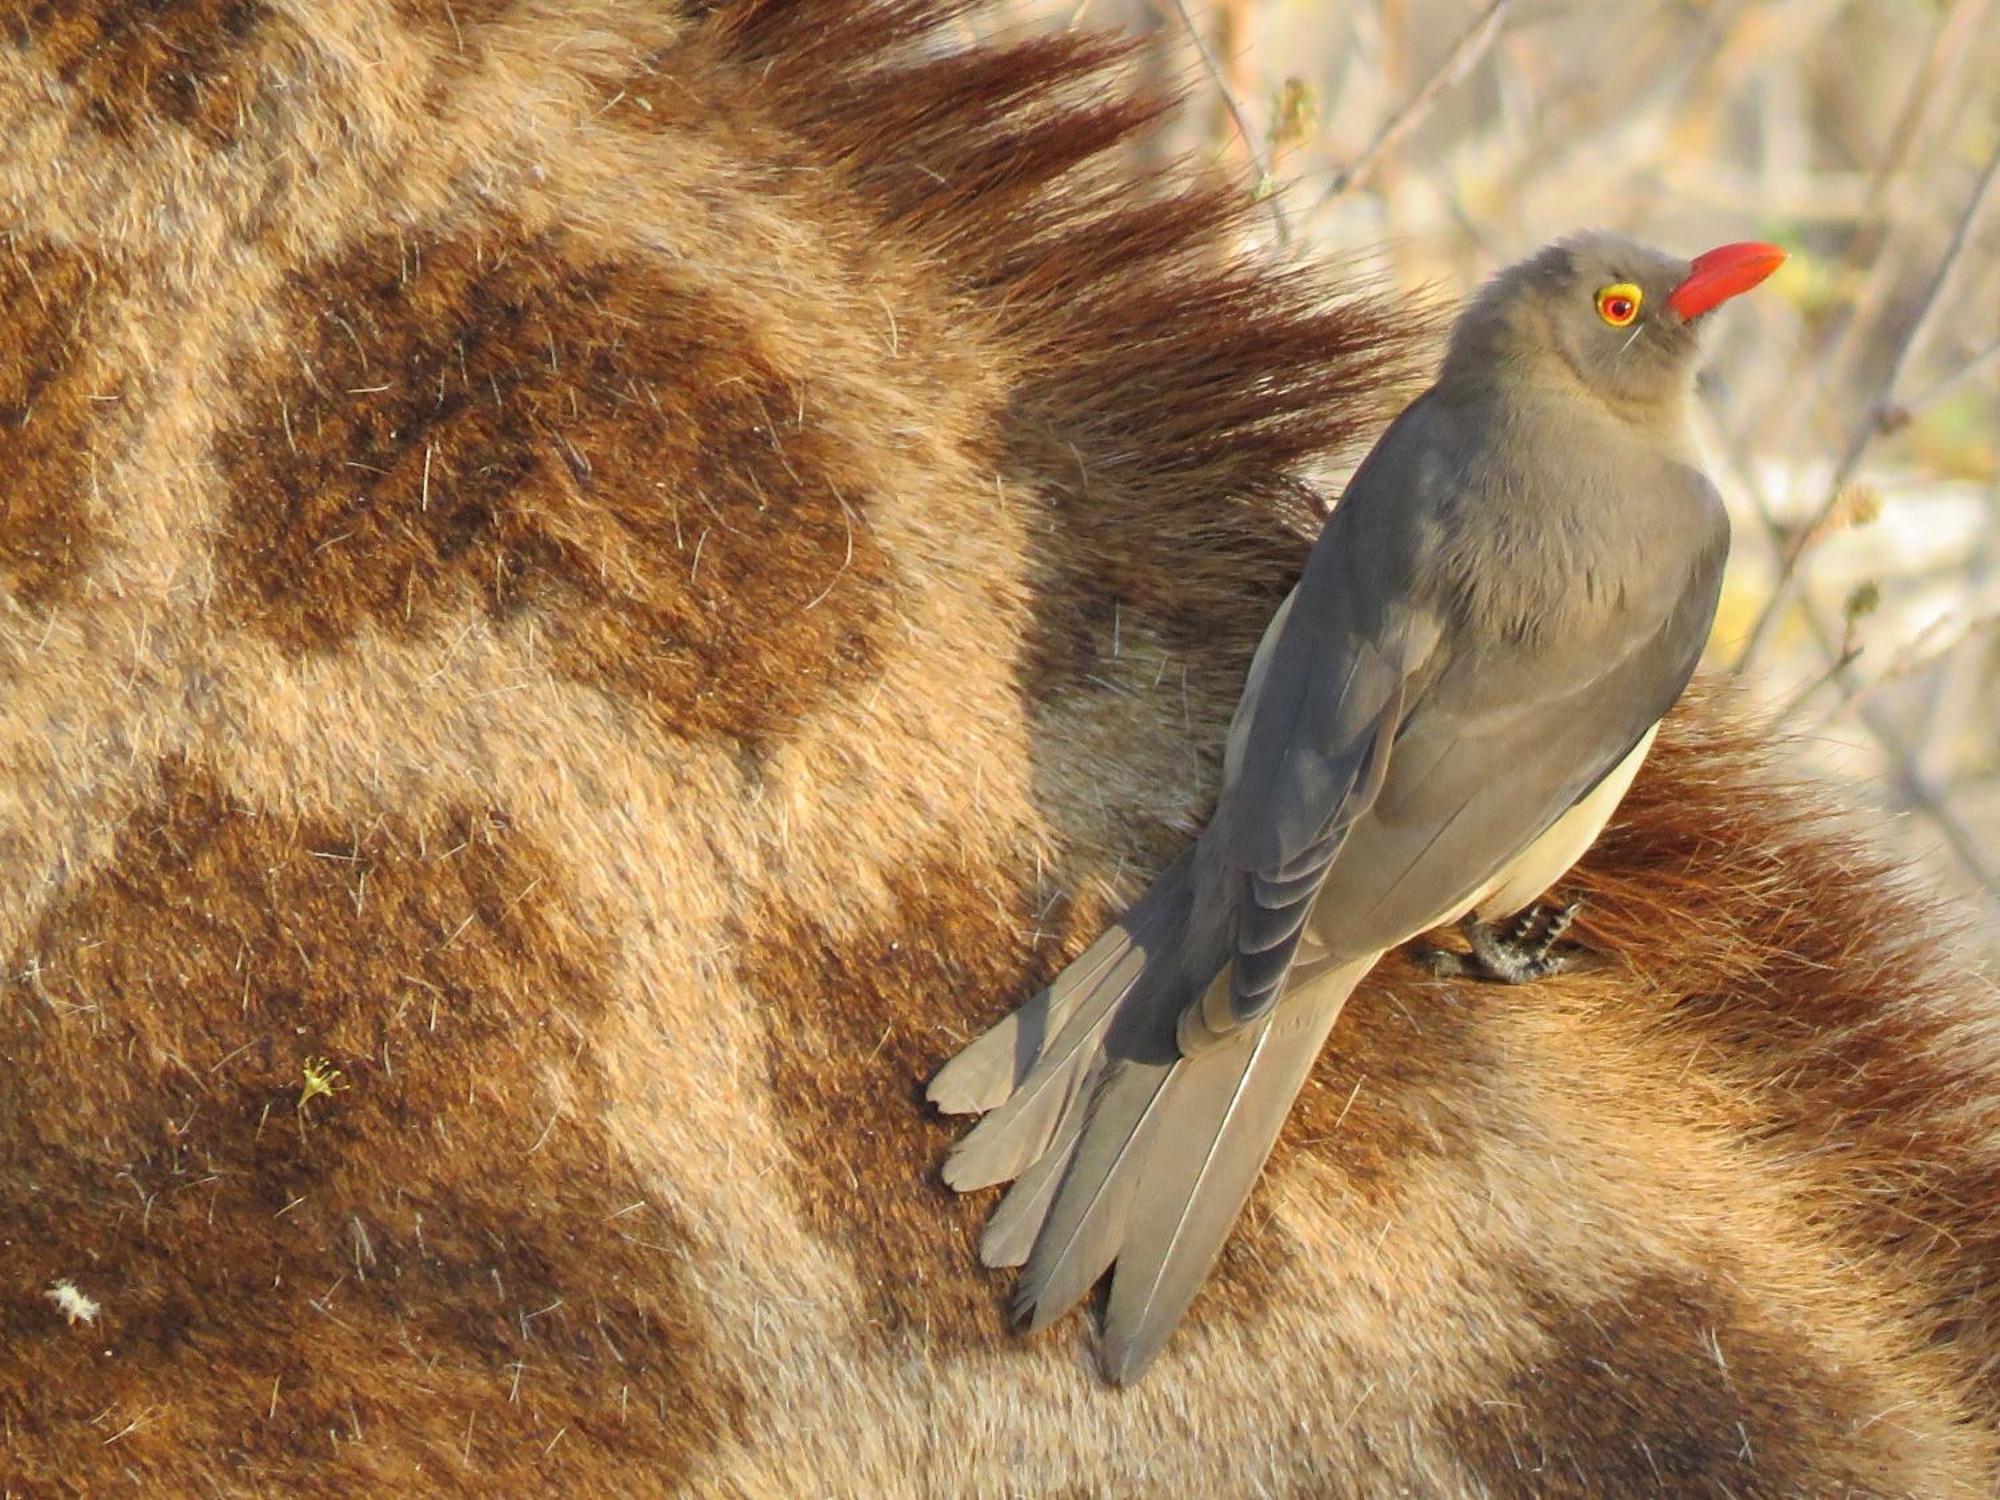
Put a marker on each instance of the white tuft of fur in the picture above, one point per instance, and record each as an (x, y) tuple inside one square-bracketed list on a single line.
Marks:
[(75, 1305)]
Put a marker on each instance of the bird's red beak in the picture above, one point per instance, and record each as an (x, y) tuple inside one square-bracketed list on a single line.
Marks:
[(1722, 273)]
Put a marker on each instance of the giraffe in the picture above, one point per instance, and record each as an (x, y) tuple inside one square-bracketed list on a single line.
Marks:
[(586, 591)]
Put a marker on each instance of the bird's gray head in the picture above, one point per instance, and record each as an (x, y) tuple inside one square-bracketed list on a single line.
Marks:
[(1614, 316)]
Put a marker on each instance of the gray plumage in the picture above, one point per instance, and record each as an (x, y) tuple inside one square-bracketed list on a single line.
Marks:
[(1515, 587)]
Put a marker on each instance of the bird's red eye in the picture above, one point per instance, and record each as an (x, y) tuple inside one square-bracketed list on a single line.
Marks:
[(1618, 304)]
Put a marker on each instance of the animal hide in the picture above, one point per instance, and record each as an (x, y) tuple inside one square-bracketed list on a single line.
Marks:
[(586, 591)]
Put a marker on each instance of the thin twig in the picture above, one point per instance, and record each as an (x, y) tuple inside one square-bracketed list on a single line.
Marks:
[(1892, 417), (1880, 242), (1956, 682), (1646, 102), (1918, 792), (1835, 670), (1869, 430), (1910, 660), (1956, 24), (1912, 784), (1267, 183), (1464, 54)]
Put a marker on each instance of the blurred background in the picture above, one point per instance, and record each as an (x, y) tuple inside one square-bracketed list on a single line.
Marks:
[(1850, 408)]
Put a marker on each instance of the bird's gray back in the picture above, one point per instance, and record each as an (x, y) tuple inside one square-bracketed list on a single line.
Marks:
[(1574, 579)]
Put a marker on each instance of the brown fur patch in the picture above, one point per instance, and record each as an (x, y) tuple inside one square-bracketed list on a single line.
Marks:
[(1131, 316), (181, 61), (454, 30), (261, 1245), (1674, 1387), (55, 394), (519, 423), (1803, 974), (452, 13), (857, 1025), (1397, 1081), (1397, 1086)]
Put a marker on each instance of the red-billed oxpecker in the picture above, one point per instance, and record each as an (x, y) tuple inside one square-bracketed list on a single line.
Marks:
[(1438, 722)]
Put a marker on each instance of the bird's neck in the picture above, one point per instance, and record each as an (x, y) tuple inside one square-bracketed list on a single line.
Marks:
[(1545, 398), (1578, 504), (1506, 364)]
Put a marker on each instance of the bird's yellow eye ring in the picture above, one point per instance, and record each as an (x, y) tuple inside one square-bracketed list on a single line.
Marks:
[(1618, 304)]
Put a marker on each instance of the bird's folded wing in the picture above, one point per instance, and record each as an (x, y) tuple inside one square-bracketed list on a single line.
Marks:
[(1307, 755), (1489, 745)]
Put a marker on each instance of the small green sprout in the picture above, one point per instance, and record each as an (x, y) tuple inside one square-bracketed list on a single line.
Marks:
[(321, 1078)]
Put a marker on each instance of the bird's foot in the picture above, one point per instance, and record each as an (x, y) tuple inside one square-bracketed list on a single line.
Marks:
[(1525, 952)]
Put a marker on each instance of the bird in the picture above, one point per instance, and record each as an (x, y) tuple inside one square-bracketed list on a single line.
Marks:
[(1514, 588)]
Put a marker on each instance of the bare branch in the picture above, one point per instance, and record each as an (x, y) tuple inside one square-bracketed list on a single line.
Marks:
[(1267, 184), (1464, 54), (1914, 787), (1868, 431), (1835, 670), (1897, 415), (1957, 25), (1913, 658), (1880, 240), (1919, 792)]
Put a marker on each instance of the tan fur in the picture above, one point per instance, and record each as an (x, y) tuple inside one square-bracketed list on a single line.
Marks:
[(626, 576)]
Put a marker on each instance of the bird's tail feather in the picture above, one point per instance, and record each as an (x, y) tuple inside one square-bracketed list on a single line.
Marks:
[(1033, 1068), (1162, 1162), (1011, 1232), (1121, 1148), (1227, 1105)]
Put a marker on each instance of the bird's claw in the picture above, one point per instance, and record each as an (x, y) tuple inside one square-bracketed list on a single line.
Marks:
[(1525, 952)]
